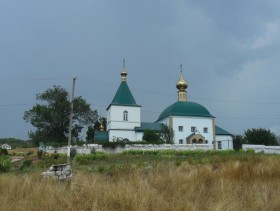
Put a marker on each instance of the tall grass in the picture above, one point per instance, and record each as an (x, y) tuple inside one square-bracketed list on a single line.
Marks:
[(251, 184)]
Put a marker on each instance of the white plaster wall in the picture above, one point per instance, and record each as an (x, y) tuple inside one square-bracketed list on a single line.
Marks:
[(139, 136), (128, 134), (115, 117), (86, 149), (227, 141), (262, 148), (187, 123)]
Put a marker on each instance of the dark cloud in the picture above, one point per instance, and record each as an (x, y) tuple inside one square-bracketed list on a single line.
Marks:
[(229, 51)]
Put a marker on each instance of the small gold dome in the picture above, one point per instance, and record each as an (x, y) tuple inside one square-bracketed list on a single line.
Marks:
[(101, 127), (181, 84), (123, 74)]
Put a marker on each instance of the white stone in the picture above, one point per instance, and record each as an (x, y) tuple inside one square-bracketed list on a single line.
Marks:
[(48, 173), (62, 177)]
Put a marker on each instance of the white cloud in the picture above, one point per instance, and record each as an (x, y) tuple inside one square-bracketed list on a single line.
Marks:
[(269, 36)]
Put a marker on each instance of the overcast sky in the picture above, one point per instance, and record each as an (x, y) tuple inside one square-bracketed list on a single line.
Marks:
[(230, 51)]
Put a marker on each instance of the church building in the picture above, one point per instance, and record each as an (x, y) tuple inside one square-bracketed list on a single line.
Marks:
[(190, 122)]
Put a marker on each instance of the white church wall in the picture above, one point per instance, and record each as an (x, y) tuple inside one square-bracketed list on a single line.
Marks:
[(226, 142), (188, 123), (115, 117), (139, 136), (122, 134), (116, 120)]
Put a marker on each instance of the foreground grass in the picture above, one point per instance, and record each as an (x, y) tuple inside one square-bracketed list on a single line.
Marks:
[(135, 182)]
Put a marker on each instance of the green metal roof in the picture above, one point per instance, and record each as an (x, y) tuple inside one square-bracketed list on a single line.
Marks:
[(124, 97), (191, 135), (157, 127), (101, 136), (185, 109), (221, 131)]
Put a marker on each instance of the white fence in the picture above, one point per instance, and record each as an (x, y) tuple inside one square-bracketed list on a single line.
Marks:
[(262, 148), (86, 149)]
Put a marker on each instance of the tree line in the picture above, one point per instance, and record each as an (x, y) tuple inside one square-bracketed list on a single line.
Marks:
[(50, 119), (259, 136)]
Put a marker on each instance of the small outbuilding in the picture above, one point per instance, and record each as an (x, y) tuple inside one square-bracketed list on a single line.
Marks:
[(6, 146)]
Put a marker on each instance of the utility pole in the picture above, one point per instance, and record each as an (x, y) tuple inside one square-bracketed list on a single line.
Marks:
[(71, 119)]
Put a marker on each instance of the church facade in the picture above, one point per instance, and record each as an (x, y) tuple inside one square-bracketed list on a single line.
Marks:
[(190, 122)]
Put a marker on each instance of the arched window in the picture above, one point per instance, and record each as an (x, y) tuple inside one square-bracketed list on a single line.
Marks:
[(125, 115)]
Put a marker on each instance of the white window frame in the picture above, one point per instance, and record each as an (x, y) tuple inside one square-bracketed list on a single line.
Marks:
[(193, 129), (125, 115), (180, 128), (181, 141), (219, 145), (205, 129)]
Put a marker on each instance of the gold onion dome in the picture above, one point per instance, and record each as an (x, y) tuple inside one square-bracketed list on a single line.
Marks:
[(101, 127), (181, 84), (123, 74)]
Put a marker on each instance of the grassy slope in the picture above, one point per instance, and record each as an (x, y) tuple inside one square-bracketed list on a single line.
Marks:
[(13, 142), (152, 182)]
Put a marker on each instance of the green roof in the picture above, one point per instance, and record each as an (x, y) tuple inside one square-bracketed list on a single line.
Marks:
[(157, 127), (185, 109), (124, 97), (190, 136), (101, 136), (221, 131)]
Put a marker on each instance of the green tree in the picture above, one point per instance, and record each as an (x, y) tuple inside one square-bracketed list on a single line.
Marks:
[(151, 136), (95, 127), (237, 142), (260, 136), (50, 116), (168, 134)]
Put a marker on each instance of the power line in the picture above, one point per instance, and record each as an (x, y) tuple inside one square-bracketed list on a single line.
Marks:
[(32, 79)]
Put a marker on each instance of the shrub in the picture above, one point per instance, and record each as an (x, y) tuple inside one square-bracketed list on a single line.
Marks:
[(3, 151), (55, 155), (29, 153), (5, 164), (40, 154), (113, 145), (250, 151), (93, 151), (73, 152), (26, 164)]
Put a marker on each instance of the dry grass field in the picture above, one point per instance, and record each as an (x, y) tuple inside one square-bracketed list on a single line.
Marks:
[(22, 150), (248, 184)]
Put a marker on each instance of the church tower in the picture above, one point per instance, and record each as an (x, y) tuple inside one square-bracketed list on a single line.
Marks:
[(182, 86), (123, 114)]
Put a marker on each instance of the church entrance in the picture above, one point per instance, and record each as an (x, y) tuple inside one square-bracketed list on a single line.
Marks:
[(195, 139)]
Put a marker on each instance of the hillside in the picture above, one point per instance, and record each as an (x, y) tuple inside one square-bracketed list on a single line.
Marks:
[(15, 143)]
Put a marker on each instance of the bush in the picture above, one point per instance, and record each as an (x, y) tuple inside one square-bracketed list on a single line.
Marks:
[(55, 155), (40, 154), (250, 151), (113, 145), (5, 164), (3, 151), (26, 164), (93, 151), (73, 152), (29, 153), (151, 136)]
